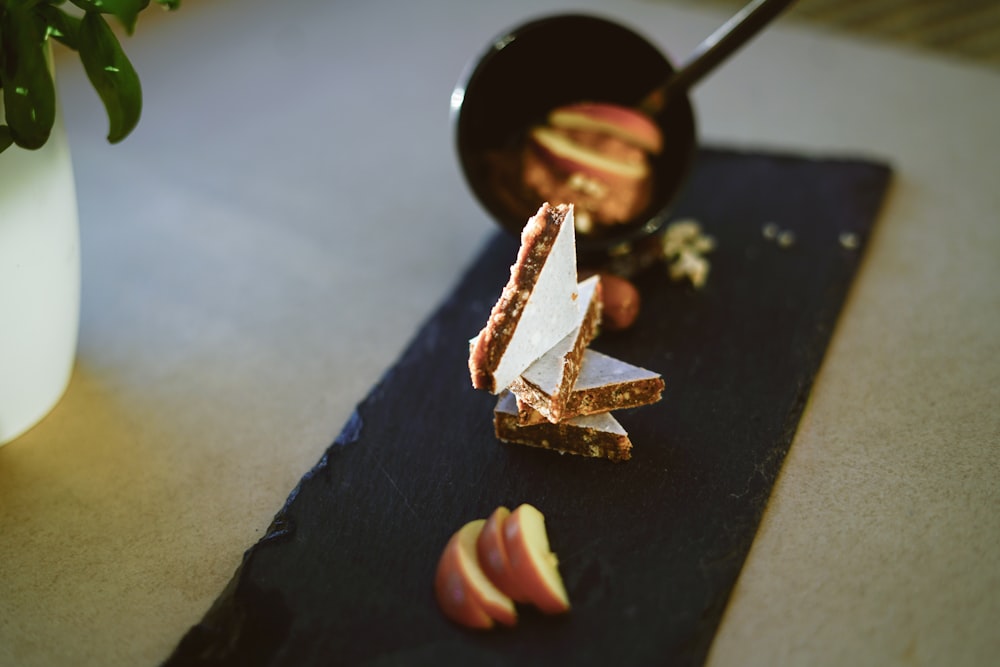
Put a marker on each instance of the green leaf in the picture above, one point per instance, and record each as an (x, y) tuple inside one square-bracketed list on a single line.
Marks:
[(29, 95), (5, 138), (111, 74), (126, 11), (170, 4), (61, 26)]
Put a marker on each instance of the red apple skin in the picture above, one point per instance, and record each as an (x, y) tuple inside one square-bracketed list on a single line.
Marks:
[(451, 589), (627, 124), (492, 554), (491, 599), (563, 154), (533, 563)]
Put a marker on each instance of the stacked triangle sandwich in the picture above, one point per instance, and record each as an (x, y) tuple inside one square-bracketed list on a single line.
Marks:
[(555, 392)]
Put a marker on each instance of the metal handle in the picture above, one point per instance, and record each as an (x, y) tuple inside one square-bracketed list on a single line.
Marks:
[(718, 46)]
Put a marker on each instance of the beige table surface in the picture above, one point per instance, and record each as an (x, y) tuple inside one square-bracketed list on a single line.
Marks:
[(289, 210)]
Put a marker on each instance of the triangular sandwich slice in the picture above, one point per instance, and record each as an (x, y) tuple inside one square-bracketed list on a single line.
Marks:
[(554, 374), (604, 384), (596, 436), (536, 309)]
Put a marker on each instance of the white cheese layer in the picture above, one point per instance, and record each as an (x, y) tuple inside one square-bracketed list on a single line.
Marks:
[(548, 371), (550, 312), (599, 370)]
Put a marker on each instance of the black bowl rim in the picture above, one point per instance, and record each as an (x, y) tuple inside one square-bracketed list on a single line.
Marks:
[(608, 245)]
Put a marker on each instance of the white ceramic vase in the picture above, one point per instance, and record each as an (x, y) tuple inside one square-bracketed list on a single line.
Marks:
[(39, 281)]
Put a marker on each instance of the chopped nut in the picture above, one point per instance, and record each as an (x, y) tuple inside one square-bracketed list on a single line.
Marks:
[(785, 238), (704, 245), (691, 266), (621, 302), (679, 236), (684, 245), (849, 240)]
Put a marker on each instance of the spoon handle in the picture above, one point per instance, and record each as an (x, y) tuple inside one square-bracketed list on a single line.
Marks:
[(718, 46)]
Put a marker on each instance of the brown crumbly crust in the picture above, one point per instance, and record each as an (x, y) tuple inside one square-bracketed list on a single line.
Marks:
[(537, 238), (563, 437), (527, 415), (606, 398), (614, 397), (554, 407), (533, 404)]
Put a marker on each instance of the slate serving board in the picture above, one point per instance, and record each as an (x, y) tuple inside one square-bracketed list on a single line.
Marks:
[(649, 549)]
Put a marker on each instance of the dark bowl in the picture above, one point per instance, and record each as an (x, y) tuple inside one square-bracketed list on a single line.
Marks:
[(544, 63)]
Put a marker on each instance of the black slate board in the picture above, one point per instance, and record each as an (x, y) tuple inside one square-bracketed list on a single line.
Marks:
[(649, 549)]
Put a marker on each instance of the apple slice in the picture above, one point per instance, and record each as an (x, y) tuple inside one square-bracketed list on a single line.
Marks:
[(629, 125), (461, 577), (454, 595), (533, 563), (570, 157), (492, 553), (498, 605)]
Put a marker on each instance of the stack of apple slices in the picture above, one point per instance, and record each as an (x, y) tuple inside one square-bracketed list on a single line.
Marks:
[(555, 392), (596, 154), (490, 564)]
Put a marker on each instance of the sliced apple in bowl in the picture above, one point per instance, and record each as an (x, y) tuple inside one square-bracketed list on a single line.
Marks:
[(561, 152), (629, 125)]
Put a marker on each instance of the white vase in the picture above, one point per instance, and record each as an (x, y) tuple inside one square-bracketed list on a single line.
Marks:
[(39, 281)]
